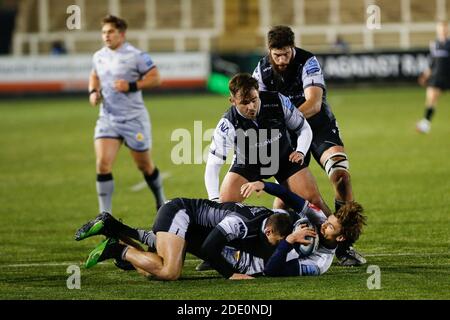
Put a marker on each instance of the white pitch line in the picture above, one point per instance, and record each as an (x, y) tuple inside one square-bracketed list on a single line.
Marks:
[(142, 185), (56, 264), (404, 254)]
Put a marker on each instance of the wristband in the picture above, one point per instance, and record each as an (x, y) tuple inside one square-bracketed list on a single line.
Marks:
[(132, 86), (92, 91)]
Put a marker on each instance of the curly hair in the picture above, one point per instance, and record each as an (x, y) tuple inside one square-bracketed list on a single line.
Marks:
[(351, 219), (118, 23), (280, 37)]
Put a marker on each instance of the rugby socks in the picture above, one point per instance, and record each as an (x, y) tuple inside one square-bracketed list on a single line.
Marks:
[(114, 251), (342, 248), (338, 204), (429, 112), (105, 189), (154, 181), (148, 238)]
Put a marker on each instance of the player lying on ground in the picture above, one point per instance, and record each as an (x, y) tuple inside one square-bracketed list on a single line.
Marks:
[(200, 227), (345, 223)]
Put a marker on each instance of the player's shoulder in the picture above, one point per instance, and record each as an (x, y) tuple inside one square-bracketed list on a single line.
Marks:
[(129, 48), (302, 54), (100, 52), (270, 98)]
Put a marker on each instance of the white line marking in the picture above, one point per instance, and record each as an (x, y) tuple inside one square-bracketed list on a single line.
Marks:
[(142, 185), (191, 260)]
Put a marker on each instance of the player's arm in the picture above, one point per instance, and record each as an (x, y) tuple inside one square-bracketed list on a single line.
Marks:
[(291, 199), (313, 85), (149, 76), (221, 144), (230, 228), (212, 252), (94, 89), (313, 102), (258, 76), (277, 264), (152, 79), (296, 122)]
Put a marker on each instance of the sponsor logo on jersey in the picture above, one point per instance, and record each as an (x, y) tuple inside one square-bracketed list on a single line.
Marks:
[(270, 105), (139, 136), (312, 66), (224, 128)]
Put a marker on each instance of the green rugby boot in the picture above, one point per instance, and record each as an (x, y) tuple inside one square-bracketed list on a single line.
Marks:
[(103, 251)]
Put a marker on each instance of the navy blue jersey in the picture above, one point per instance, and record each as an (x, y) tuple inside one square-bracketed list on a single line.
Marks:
[(304, 71), (440, 59)]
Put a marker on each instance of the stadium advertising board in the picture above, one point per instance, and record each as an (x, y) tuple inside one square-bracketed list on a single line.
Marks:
[(368, 67), (71, 73)]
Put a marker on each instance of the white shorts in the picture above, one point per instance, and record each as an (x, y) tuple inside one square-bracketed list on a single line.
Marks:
[(136, 133)]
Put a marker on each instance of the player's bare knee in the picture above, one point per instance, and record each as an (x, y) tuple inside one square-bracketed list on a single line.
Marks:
[(169, 275), (103, 167), (340, 178), (278, 204)]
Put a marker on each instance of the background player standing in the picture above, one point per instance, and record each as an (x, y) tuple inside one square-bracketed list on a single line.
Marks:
[(297, 74), (120, 72), (437, 77)]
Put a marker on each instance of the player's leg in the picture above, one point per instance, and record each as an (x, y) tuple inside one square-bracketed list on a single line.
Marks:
[(304, 184), (151, 174), (106, 150), (230, 189), (166, 264), (432, 97), (335, 162)]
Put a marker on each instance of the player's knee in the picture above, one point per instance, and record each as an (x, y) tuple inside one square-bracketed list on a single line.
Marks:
[(169, 275), (336, 163), (316, 200), (340, 178), (144, 168), (103, 167), (278, 204)]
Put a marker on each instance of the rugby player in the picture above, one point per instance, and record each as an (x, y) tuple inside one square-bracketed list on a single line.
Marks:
[(297, 74), (257, 124), (346, 223), (120, 71), (436, 78), (201, 227)]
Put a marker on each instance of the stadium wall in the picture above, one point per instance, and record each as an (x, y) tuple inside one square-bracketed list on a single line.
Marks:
[(59, 74), (191, 71)]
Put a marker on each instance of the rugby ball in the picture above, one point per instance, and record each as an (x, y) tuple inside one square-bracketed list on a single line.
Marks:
[(306, 250)]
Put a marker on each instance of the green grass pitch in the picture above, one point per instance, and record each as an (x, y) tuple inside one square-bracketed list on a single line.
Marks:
[(47, 190)]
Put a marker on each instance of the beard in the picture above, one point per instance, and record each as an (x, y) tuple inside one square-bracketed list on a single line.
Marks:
[(281, 70)]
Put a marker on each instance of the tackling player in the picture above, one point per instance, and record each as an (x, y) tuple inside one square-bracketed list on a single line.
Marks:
[(200, 227), (437, 77), (297, 74), (119, 73), (254, 126)]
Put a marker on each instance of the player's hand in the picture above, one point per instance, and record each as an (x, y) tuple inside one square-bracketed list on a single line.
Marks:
[(121, 85), (248, 188), (240, 276), (296, 157), (300, 234), (95, 98)]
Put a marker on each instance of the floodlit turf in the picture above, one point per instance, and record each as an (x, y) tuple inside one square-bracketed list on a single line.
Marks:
[(47, 191)]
